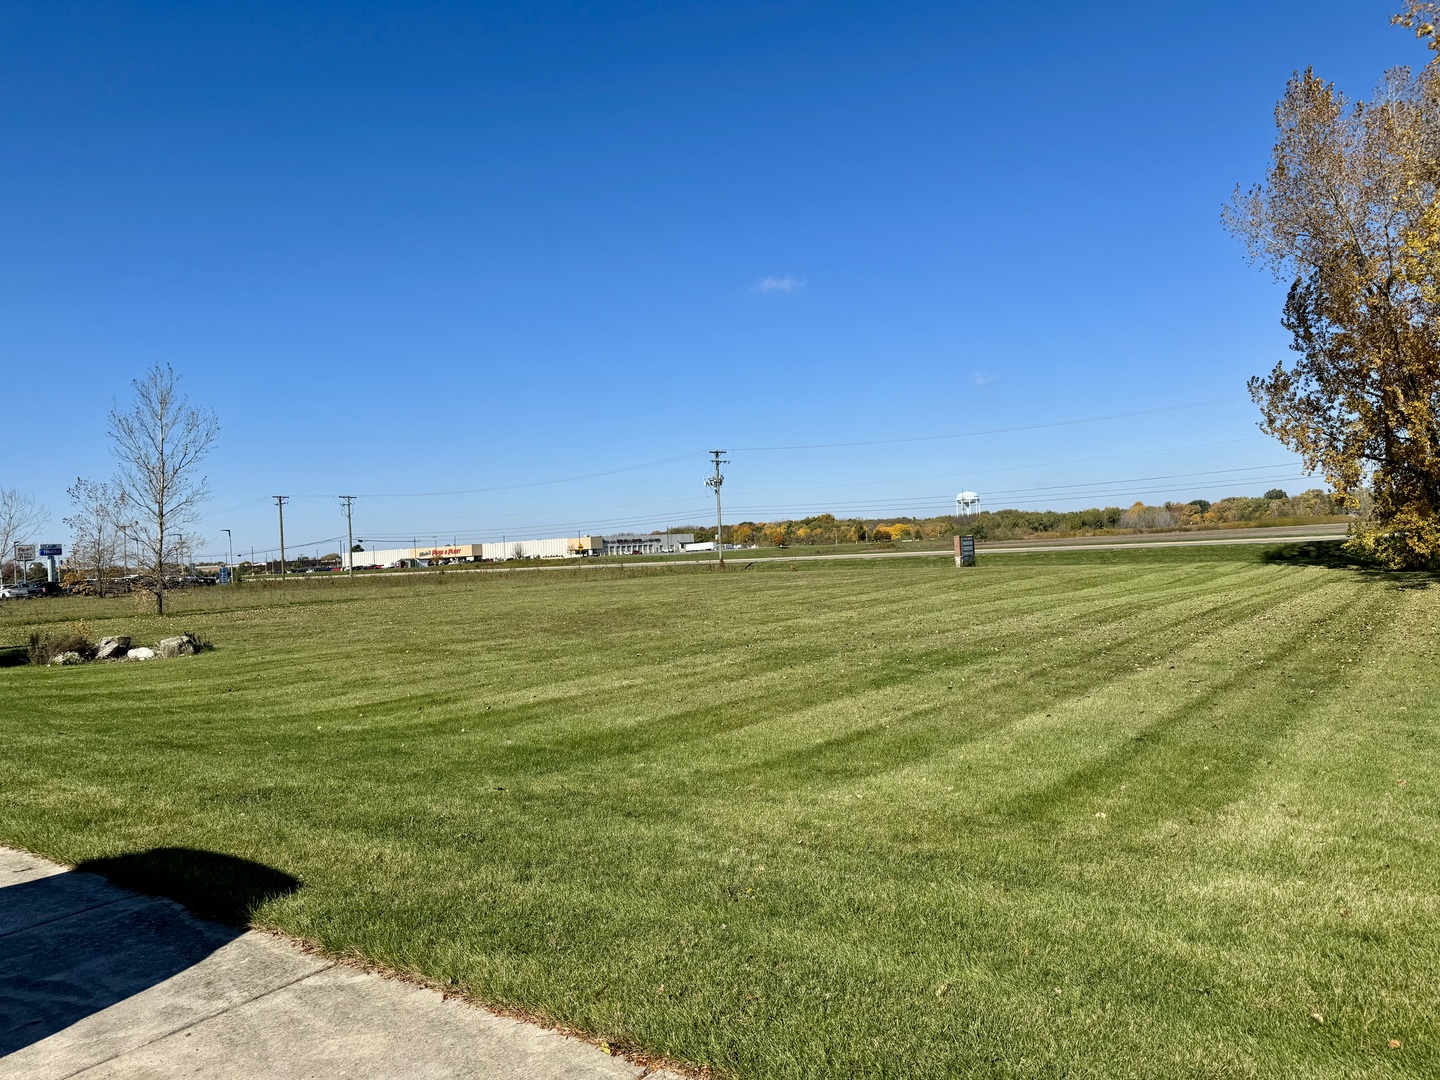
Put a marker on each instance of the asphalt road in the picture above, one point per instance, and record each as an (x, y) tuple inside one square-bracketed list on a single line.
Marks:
[(1216, 537)]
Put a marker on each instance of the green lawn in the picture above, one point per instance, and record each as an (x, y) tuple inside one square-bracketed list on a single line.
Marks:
[(1135, 814)]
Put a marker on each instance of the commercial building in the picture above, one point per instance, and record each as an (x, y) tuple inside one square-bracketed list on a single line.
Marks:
[(646, 543), (565, 547)]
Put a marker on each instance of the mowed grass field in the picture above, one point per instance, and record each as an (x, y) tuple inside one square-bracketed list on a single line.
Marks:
[(1130, 814)]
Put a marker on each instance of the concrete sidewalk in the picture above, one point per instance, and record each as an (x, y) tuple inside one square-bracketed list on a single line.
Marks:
[(100, 983)]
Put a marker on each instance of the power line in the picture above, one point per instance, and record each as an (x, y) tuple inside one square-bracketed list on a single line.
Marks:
[(955, 474), (996, 431), (528, 484), (768, 449)]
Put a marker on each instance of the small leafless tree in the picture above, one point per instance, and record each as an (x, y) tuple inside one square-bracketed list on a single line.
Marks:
[(159, 442), (20, 517), (95, 529)]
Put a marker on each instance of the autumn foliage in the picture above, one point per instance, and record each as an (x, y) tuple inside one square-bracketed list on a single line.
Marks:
[(1348, 211)]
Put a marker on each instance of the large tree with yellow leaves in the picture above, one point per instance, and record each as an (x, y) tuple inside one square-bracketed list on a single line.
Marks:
[(1348, 212)]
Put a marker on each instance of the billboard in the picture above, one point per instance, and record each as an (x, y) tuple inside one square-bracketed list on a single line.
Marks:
[(50, 551), (25, 552)]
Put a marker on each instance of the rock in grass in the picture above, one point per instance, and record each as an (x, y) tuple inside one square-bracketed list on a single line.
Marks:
[(141, 653), (181, 645), (67, 658), (112, 648)]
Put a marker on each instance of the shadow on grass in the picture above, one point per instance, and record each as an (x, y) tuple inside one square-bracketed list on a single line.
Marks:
[(1332, 555), (220, 887), (13, 656)]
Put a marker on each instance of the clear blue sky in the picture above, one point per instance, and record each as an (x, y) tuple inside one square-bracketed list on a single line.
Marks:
[(408, 248)]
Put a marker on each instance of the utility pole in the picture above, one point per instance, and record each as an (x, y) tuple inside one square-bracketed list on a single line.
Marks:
[(280, 501), (349, 537), (230, 545), (715, 482)]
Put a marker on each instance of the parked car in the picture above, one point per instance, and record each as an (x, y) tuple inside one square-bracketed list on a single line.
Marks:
[(18, 590)]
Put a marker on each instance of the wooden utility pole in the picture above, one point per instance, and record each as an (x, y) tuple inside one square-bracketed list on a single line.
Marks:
[(714, 482), (349, 537), (280, 501)]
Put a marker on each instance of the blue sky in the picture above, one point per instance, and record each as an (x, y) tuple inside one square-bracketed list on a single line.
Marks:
[(473, 248)]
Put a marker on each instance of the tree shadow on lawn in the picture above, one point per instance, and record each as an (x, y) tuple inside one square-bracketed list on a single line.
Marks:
[(73, 944), (1331, 555)]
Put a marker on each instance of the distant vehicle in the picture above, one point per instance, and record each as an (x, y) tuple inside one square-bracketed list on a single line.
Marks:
[(47, 588), (20, 590)]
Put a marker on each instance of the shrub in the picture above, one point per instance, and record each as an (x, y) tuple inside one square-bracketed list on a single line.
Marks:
[(77, 639)]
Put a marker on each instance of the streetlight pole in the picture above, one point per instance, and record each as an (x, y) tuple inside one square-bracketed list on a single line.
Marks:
[(230, 546)]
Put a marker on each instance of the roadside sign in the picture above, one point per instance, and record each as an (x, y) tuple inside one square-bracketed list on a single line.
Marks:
[(48, 551), (24, 552), (964, 551)]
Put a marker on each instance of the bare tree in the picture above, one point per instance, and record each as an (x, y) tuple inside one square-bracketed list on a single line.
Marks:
[(159, 442), (20, 517), (95, 529)]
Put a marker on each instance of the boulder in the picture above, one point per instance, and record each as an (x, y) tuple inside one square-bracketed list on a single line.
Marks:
[(182, 645), (112, 648), (67, 658), (141, 653)]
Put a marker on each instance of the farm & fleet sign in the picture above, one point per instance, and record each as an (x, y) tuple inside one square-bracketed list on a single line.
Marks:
[(445, 552)]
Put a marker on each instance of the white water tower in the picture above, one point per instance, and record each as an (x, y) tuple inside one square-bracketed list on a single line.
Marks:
[(967, 503)]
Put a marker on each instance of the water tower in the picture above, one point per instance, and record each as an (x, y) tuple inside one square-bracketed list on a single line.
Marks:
[(966, 505)]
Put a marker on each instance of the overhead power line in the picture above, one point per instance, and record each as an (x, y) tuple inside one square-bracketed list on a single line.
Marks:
[(996, 431), (527, 484)]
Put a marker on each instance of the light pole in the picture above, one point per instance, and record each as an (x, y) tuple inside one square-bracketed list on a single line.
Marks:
[(230, 546)]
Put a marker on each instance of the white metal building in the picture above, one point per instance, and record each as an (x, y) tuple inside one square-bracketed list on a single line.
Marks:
[(564, 547), (646, 543)]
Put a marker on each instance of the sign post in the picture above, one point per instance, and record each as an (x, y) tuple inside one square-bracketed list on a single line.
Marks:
[(964, 551), (51, 552), (24, 556)]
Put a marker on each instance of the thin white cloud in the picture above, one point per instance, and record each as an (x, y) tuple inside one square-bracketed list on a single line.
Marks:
[(787, 284), (984, 378)]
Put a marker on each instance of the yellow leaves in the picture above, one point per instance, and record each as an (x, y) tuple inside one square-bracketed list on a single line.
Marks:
[(1420, 254)]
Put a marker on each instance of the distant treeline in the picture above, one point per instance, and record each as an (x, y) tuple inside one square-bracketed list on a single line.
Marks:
[(1274, 506)]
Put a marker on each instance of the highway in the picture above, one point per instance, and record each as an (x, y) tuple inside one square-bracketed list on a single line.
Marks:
[(1209, 538)]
